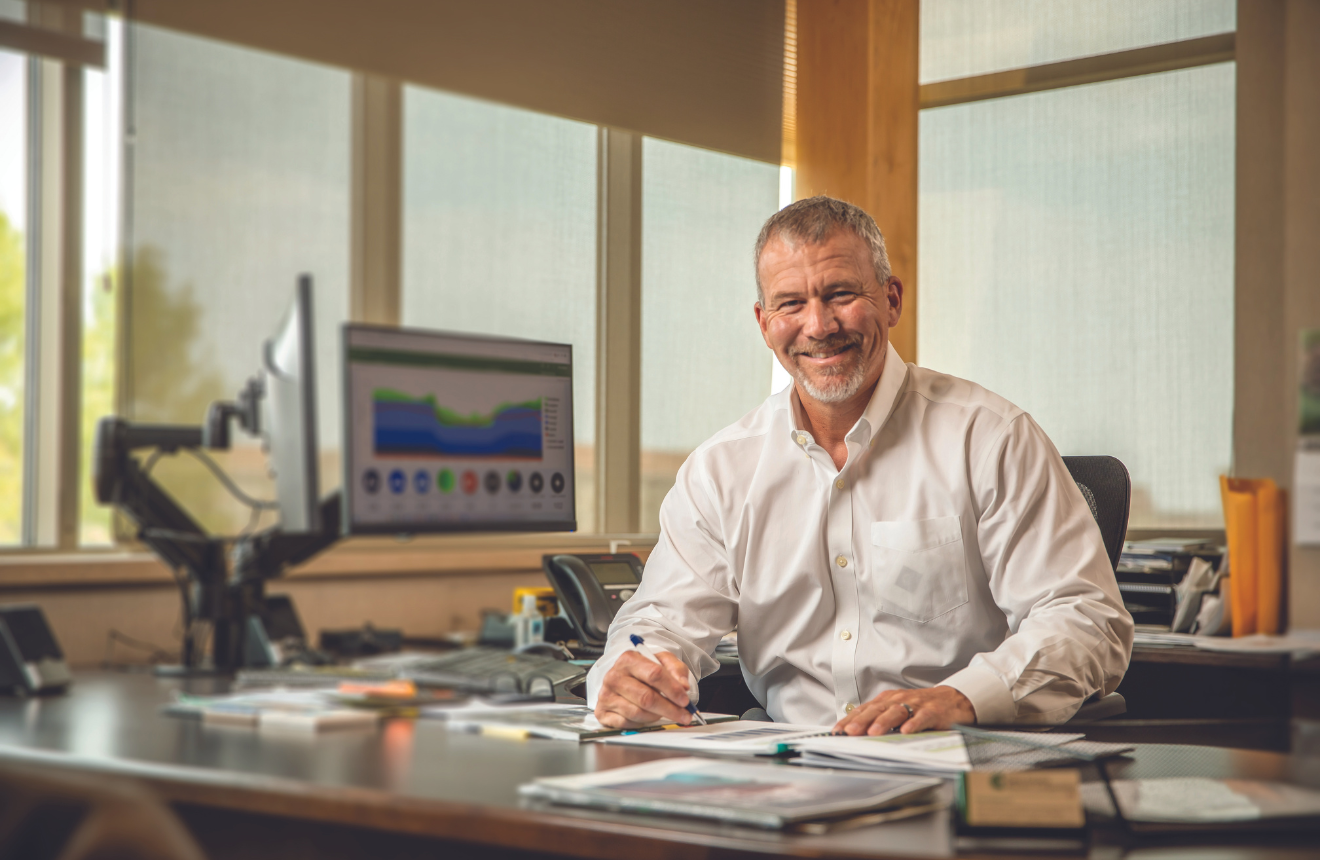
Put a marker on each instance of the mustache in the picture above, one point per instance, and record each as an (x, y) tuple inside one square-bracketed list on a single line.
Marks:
[(827, 346)]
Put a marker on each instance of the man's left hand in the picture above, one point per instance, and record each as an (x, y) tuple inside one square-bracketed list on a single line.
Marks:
[(933, 708)]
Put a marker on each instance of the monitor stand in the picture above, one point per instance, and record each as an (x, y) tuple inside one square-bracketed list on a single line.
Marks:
[(221, 587)]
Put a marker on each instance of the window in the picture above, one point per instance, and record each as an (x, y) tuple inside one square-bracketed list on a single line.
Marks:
[(213, 175), (1094, 223), (43, 154), (240, 182), (13, 287), (961, 39), (704, 364), (103, 131), (500, 237)]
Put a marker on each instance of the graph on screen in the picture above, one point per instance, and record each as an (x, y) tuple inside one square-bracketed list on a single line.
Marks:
[(421, 427)]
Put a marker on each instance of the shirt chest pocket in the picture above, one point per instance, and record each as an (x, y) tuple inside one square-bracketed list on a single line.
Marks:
[(917, 569)]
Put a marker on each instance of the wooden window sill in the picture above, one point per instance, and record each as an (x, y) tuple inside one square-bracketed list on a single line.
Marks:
[(354, 558)]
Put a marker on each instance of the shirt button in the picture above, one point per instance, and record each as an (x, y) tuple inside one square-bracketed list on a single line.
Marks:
[(841, 561), (848, 708), (838, 484), (845, 635)]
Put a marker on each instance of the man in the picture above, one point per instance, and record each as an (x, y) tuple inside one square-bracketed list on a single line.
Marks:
[(897, 548)]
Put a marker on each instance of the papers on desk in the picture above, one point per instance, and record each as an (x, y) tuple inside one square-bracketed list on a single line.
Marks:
[(1201, 801), (1299, 643), (554, 721), (752, 793), (949, 753), (275, 710), (733, 738)]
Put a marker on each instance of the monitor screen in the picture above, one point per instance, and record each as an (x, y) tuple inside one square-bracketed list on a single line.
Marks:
[(449, 432)]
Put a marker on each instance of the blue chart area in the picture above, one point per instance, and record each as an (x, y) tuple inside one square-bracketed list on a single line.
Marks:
[(418, 427)]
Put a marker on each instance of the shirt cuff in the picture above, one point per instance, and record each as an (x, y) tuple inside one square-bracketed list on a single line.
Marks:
[(992, 701)]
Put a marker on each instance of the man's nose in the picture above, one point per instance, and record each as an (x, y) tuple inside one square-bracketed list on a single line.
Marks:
[(820, 322)]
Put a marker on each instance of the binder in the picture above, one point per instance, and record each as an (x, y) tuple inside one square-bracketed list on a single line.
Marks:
[(1253, 520)]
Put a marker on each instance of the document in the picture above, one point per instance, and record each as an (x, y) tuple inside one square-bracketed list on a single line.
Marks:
[(1198, 800), (1306, 498), (554, 721), (740, 737), (275, 710), (944, 753), (752, 793)]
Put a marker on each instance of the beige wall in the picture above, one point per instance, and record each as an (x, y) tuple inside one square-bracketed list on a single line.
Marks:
[(1278, 248), (420, 605)]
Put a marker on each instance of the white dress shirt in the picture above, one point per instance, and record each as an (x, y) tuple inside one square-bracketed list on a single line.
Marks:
[(953, 548)]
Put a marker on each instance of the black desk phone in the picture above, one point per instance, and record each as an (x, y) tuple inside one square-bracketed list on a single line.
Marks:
[(592, 588)]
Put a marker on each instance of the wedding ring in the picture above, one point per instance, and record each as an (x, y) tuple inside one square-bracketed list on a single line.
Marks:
[(908, 708)]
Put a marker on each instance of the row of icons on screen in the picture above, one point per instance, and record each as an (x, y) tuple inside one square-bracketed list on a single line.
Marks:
[(446, 481)]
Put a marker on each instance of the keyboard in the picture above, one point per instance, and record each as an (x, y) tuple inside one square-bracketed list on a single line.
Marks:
[(489, 669)]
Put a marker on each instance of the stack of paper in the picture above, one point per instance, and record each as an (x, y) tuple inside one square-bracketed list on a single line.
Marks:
[(273, 710), (946, 753), (756, 794), (739, 737), (554, 721)]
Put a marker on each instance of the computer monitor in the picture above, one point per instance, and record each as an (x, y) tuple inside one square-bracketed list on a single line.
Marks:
[(452, 432), (289, 414)]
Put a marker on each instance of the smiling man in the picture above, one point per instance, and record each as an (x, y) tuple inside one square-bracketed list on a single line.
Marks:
[(897, 548)]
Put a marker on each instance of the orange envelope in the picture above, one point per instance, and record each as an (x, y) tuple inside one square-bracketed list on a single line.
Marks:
[(1254, 522)]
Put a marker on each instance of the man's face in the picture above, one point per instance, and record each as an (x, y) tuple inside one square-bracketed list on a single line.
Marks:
[(826, 316)]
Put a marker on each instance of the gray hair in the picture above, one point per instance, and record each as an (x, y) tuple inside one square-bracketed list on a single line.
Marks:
[(813, 221)]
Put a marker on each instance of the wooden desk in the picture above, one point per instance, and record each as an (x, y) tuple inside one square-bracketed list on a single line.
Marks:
[(414, 789)]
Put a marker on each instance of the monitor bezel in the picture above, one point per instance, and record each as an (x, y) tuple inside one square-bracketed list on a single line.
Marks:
[(349, 488), (295, 456)]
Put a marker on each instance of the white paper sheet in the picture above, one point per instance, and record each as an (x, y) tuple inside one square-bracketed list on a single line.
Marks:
[(1306, 498)]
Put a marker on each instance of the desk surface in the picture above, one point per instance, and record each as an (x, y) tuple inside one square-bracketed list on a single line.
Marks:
[(418, 778)]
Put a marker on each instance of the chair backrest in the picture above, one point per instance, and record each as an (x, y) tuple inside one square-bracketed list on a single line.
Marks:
[(1107, 488), (47, 813)]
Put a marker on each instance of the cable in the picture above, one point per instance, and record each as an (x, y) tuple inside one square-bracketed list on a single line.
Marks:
[(228, 482), (151, 461), (156, 653)]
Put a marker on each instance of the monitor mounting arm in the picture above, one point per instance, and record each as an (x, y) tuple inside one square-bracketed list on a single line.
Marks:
[(213, 592)]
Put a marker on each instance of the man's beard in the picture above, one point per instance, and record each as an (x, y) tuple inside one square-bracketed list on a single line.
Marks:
[(842, 382)]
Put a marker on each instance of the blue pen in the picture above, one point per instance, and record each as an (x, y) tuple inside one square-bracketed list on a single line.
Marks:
[(640, 645)]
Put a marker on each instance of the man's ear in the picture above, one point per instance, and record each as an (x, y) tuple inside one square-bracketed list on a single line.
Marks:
[(894, 297), (761, 322)]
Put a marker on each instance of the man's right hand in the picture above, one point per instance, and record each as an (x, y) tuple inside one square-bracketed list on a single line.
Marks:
[(637, 691)]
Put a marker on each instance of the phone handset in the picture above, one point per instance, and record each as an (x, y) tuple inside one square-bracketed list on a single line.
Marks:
[(580, 583)]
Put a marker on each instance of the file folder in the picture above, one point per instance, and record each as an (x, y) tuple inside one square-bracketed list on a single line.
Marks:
[(1254, 523)]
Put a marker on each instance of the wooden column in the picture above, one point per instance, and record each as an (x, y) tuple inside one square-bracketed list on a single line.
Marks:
[(857, 123)]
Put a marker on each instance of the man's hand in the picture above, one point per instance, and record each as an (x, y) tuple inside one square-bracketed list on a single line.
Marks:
[(637, 691), (933, 708)]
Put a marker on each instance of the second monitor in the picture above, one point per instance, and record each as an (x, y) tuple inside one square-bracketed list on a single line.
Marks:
[(448, 432)]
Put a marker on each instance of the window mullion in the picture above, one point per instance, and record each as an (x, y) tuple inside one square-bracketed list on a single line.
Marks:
[(376, 256), (619, 332)]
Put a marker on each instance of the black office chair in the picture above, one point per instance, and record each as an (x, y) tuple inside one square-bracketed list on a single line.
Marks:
[(49, 814), (1107, 488)]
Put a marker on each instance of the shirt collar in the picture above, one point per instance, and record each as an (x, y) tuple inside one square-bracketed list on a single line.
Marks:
[(877, 410)]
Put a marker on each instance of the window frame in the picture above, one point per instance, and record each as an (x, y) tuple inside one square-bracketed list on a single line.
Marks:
[(1096, 68), (54, 556)]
